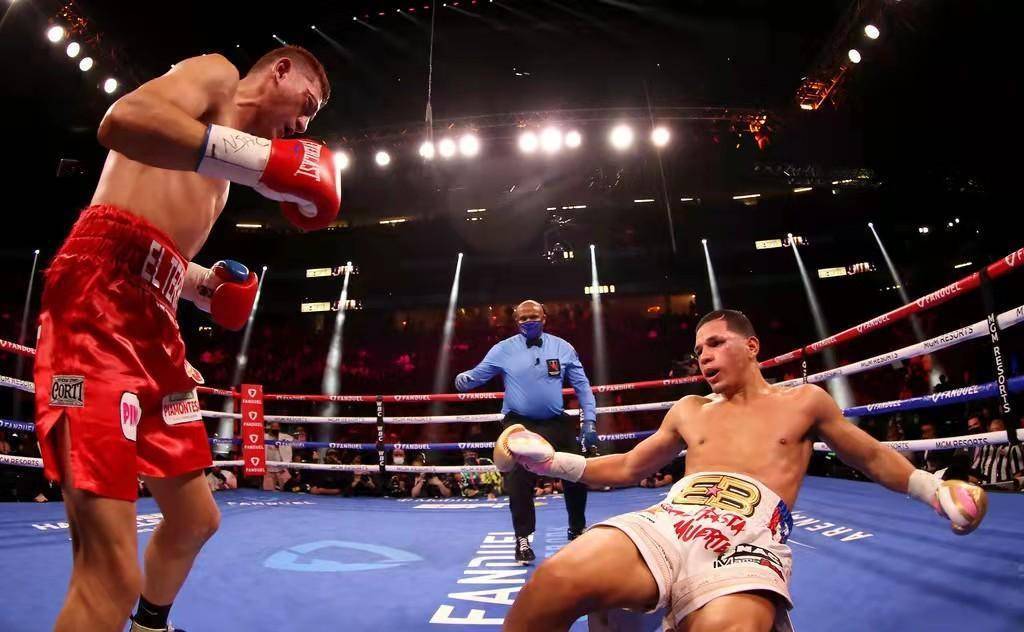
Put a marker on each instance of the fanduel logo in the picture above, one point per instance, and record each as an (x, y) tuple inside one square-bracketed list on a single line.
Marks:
[(871, 324), (380, 557), (938, 295), (827, 342)]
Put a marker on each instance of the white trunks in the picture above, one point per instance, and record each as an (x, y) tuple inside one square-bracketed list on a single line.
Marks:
[(716, 533)]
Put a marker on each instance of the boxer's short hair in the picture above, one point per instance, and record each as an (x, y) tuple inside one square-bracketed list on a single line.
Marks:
[(735, 320), (301, 56)]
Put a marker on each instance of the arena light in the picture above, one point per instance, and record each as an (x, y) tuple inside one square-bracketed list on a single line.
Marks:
[(250, 226), (748, 196), (55, 33), (427, 150), (341, 160), (621, 137), (476, 210), (686, 199), (85, 64), (382, 158), (73, 49), (393, 221), (528, 142), (644, 201), (854, 55), (573, 139), (872, 31), (551, 140), (924, 230), (716, 296), (110, 85), (962, 265), (803, 189), (446, 148), (469, 145), (660, 136)]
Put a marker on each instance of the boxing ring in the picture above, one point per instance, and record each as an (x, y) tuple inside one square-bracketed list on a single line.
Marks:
[(864, 558)]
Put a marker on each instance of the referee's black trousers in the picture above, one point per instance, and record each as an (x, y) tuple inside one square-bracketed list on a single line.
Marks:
[(561, 432)]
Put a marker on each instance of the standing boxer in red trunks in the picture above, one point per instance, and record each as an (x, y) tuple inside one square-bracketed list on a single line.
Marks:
[(115, 397)]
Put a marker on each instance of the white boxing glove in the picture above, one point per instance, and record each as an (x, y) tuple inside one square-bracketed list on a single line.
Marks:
[(517, 445)]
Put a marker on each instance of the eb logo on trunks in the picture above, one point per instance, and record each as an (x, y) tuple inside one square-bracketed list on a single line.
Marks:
[(554, 367), (722, 492), (67, 391)]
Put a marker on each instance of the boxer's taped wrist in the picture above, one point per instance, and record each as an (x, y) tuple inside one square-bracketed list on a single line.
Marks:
[(229, 154), (196, 287), (923, 486), (568, 466)]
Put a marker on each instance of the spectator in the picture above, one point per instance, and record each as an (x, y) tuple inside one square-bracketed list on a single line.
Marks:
[(943, 385), (430, 485), (362, 484), (5, 447), (298, 481), (999, 465), (895, 433), (932, 460), (277, 475), (328, 482), (399, 483)]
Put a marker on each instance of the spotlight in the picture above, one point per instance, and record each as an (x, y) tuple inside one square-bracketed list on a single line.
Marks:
[(85, 64), (55, 33), (854, 55), (872, 31), (621, 137), (551, 140), (110, 85), (528, 142), (469, 145), (73, 49), (341, 160), (382, 158), (573, 139), (704, 241), (446, 148), (427, 150), (660, 136)]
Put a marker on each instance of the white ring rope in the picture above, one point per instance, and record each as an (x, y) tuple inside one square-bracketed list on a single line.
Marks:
[(918, 445)]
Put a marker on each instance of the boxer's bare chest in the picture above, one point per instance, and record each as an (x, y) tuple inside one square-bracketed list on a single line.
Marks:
[(767, 438), (184, 205)]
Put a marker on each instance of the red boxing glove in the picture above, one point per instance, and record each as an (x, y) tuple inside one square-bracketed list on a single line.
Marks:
[(299, 173), (226, 291)]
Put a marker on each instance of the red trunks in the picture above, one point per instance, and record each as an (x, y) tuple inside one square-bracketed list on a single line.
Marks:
[(111, 360)]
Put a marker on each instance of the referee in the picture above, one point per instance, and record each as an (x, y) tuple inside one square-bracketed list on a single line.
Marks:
[(534, 366)]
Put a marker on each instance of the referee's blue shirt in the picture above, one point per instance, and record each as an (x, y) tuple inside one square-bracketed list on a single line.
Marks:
[(533, 376)]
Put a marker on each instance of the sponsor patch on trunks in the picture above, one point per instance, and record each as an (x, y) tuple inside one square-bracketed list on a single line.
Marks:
[(750, 554), (180, 408), (67, 391), (131, 413)]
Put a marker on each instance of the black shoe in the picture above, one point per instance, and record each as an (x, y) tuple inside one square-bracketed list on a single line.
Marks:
[(573, 534), (524, 554)]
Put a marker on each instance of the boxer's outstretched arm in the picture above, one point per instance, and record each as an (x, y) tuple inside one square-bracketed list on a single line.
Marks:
[(646, 458), (855, 447), (158, 123)]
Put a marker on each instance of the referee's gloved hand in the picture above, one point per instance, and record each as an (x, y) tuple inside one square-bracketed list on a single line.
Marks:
[(463, 382), (588, 436)]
